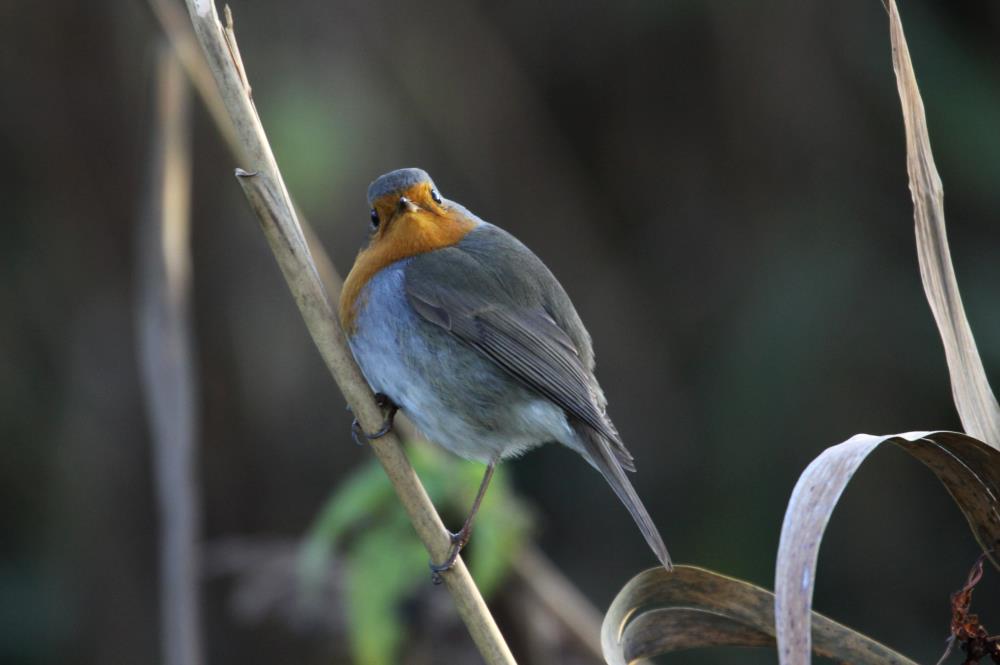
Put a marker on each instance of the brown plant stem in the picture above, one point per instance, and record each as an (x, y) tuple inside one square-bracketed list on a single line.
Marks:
[(580, 617), (163, 268), (269, 199)]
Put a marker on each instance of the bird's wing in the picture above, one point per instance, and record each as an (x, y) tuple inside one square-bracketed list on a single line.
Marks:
[(488, 306), (452, 290)]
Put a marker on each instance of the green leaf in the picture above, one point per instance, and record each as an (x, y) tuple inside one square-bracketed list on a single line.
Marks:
[(385, 562), (501, 529), (366, 493), (503, 522), (384, 567)]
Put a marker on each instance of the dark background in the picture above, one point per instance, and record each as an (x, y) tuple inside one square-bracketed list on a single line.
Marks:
[(720, 186)]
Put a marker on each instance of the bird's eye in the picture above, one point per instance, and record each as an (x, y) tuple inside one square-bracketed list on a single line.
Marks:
[(374, 215), (435, 196)]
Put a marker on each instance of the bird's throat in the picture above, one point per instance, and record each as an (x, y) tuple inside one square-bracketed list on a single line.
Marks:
[(408, 234)]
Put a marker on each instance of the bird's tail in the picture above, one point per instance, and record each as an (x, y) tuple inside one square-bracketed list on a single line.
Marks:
[(599, 452)]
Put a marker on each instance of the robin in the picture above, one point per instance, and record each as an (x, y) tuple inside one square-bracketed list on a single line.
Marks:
[(461, 326)]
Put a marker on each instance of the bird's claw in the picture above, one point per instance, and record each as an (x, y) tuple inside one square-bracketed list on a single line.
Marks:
[(384, 402), (458, 541), (446, 565)]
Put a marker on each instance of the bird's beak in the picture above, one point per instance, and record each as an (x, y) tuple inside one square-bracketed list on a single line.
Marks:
[(406, 205)]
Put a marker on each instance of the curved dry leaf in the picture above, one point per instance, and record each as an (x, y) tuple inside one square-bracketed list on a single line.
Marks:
[(974, 399), (658, 612), (968, 468)]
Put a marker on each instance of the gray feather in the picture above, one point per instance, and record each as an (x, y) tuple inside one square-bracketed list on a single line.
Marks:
[(507, 306), (602, 457), (452, 392), (517, 315), (396, 181), (494, 296)]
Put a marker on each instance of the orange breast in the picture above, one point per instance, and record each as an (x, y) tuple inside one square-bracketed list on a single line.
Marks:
[(405, 235)]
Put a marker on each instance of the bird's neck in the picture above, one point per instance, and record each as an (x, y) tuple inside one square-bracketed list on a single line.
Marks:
[(407, 236)]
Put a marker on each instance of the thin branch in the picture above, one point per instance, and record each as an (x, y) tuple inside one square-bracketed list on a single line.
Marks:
[(177, 27), (179, 31), (165, 359), (293, 257), (560, 598), (269, 198), (579, 617)]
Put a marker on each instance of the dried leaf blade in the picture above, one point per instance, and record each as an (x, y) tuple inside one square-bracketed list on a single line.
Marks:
[(968, 468), (974, 399), (659, 612)]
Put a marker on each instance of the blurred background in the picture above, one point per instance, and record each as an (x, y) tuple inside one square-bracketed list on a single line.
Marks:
[(720, 186)]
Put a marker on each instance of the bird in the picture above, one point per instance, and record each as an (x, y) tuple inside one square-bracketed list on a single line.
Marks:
[(459, 325)]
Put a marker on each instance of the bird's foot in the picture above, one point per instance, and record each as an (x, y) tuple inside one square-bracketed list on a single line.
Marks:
[(458, 541), (390, 408)]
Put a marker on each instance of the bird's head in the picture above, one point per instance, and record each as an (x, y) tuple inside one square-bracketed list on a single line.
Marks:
[(404, 199), (408, 217)]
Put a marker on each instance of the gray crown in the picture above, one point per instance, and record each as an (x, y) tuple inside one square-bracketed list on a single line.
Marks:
[(396, 181)]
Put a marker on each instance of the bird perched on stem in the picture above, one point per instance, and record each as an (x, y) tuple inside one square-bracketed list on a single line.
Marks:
[(458, 324)]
